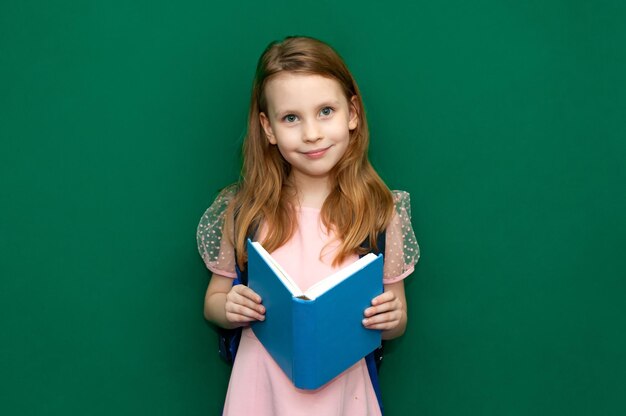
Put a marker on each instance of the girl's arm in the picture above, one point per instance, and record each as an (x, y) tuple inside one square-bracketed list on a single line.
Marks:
[(388, 311), (231, 306)]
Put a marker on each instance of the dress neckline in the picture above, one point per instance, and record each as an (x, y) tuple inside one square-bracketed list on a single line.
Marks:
[(303, 208)]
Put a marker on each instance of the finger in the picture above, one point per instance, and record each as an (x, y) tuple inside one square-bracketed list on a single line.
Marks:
[(383, 307), (384, 297), (239, 304), (246, 292), (384, 327), (238, 313), (238, 296), (239, 319), (383, 321), (381, 318)]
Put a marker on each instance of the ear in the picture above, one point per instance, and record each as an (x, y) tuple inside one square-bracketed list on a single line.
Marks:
[(353, 120), (267, 128)]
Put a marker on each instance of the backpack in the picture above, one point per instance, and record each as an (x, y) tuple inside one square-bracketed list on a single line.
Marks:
[(228, 339)]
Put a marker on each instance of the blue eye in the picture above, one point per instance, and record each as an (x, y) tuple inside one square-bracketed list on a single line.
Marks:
[(290, 118), (326, 111)]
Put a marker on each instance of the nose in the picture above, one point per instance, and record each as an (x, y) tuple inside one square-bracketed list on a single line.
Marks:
[(311, 131)]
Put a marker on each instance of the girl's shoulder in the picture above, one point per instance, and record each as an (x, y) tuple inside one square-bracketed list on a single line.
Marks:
[(222, 200), (213, 217), (213, 247), (402, 204), (401, 199)]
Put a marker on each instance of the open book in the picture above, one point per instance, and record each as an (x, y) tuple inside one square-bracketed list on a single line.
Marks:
[(317, 334)]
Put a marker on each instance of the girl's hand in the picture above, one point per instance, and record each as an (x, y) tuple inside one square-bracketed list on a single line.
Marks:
[(388, 311), (385, 312), (243, 306)]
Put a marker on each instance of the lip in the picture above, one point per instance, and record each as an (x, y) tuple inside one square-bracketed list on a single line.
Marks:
[(316, 153)]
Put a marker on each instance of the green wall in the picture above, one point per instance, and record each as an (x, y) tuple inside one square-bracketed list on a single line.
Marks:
[(120, 120)]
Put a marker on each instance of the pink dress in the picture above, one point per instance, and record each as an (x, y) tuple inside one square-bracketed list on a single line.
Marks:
[(257, 384)]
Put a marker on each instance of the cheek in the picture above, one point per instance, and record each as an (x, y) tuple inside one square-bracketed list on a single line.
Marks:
[(283, 150), (339, 131), (287, 138)]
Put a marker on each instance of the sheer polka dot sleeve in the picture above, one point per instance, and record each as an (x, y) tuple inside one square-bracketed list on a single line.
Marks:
[(401, 249), (214, 247)]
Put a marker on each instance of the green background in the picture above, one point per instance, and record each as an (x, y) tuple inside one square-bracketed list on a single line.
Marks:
[(120, 121)]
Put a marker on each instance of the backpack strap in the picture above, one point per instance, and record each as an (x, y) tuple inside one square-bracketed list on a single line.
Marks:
[(228, 339), (242, 275), (374, 359), (381, 241)]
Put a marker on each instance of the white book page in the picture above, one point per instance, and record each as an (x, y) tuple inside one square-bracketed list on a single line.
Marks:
[(334, 279), (282, 275)]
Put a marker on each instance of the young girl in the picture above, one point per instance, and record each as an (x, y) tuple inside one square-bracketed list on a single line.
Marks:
[(310, 195)]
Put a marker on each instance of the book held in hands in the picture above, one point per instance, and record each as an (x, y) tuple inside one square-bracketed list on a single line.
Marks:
[(315, 335)]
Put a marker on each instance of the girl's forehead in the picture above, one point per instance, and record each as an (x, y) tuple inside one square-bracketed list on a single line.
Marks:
[(288, 89)]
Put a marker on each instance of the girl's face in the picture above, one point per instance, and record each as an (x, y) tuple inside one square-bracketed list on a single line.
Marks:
[(309, 119)]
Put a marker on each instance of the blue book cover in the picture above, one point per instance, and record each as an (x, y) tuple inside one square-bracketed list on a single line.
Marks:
[(315, 336)]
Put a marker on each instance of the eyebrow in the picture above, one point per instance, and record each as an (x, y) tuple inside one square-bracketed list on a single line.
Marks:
[(332, 103)]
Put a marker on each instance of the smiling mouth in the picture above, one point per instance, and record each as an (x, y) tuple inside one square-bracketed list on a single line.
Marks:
[(317, 153)]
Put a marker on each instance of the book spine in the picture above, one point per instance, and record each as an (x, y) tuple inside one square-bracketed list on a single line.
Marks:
[(305, 357)]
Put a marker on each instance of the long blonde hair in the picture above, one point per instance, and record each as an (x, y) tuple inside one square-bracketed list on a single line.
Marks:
[(359, 205)]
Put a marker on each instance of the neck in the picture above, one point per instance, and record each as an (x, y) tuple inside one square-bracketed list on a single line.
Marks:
[(312, 191)]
